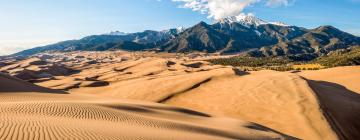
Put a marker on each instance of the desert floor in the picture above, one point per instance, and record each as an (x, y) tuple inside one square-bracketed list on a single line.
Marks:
[(117, 96)]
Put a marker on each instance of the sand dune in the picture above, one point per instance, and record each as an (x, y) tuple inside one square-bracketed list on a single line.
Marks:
[(341, 107), (43, 114), (33, 69), (338, 90), (10, 84), (307, 105), (345, 76), (278, 100)]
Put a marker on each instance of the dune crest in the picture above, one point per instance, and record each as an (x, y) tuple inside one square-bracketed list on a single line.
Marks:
[(306, 105), (338, 91), (49, 115)]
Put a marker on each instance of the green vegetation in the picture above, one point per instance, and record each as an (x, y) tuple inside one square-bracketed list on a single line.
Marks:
[(308, 66), (348, 57), (255, 63), (345, 57), (251, 61)]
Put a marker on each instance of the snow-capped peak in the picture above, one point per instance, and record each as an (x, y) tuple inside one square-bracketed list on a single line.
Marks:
[(115, 33), (248, 20), (228, 20), (279, 23), (180, 29), (174, 30)]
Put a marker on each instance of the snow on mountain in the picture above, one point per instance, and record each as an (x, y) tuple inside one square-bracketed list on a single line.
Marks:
[(279, 23), (115, 33), (174, 30), (180, 29), (170, 33), (248, 20)]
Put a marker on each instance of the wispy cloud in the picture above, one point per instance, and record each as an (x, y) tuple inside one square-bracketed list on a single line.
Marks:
[(277, 3), (218, 9)]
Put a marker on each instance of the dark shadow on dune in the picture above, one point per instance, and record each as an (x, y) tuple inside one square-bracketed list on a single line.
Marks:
[(167, 98), (151, 109), (46, 74), (179, 110), (240, 72), (72, 87), (10, 84), (130, 108), (193, 65), (295, 71), (266, 129), (194, 128), (170, 63), (121, 69), (216, 132), (72, 72), (341, 108), (41, 80), (99, 84)]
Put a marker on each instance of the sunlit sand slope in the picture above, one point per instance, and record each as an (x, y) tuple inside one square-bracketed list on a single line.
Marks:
[(338, 90), (32, 112), (308, 105), (348, 77), (283, 101)]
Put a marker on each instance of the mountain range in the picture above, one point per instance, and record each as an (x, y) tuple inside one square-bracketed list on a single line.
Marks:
[(239, 34)]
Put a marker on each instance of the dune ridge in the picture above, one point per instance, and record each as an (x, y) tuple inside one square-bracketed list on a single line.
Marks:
[(275, 99), (338, 92), (304, 104), (44, 115)]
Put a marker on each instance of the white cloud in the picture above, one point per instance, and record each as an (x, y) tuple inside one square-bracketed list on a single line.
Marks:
[(196, 5), (218, 9), (277, 3), (224, 8)]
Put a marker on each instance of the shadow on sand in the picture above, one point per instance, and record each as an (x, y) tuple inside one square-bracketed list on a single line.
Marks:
[(10, 84), (340, 106)]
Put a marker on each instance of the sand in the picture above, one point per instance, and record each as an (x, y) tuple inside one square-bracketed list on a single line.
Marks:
[(278, 100), (34, 69), (348, 77), (338, 90), (274, 99), (311, 105), (33, 112)]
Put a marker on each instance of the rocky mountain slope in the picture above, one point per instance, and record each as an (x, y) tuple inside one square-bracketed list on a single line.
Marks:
[(241, 34), (260, 38), (111, 41)]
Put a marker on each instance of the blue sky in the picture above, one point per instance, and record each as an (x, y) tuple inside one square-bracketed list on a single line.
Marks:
[(30, 23)]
